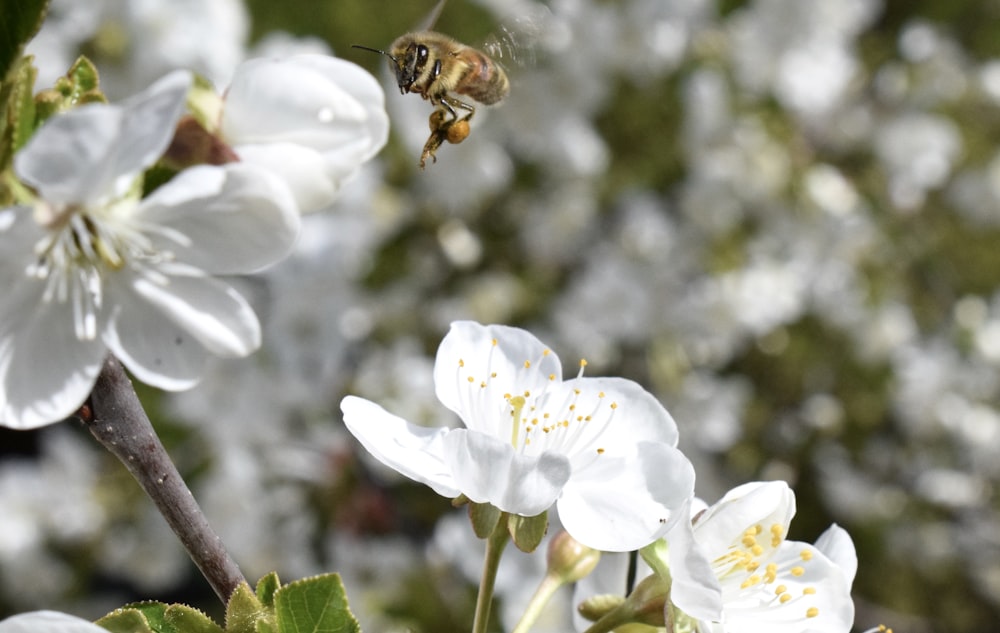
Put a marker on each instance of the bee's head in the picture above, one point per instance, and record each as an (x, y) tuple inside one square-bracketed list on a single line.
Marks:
[(407, 61)]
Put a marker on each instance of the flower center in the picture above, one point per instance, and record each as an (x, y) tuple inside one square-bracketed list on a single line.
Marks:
[(81, 247), (747, 560)]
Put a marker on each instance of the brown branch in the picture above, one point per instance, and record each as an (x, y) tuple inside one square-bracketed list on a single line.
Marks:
[(119, 422)]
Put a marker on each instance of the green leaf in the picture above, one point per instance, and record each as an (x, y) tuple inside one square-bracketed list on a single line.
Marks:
[(19, 21), (125, 620), (314, 605), (266, 587), (484, 518), (244, 610), (527, 532), (157, 617)]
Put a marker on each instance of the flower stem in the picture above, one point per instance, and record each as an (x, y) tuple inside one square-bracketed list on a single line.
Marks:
[(546, 589), (119, 422), (495, 544)]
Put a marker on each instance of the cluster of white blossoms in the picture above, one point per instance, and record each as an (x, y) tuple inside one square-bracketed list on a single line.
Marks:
[(603, 451), (92, 268)]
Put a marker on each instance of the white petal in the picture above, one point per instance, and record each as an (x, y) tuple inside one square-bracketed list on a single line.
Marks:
[(415, 451), (46, 373), (487, 469), (313, 100), (303, 169), (154, 348), (48, 622), (754, 503), (836, 544), (95, 151), (626, 502), (507, 360), (232, 219), (820, 585), (207, 309), (694, 589)]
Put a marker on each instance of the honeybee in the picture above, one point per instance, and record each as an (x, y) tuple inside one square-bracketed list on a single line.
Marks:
[(436, 67)]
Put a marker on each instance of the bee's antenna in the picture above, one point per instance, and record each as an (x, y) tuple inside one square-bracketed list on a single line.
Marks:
[(374, 50)]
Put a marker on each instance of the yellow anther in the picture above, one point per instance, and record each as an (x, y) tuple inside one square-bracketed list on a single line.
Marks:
[(527, 394), (534, 421), (493, 374), (757, 550), (546, 352), (576, 391), (471, 379), (806, 554), (614, 405), (600, 394), (587, 418), (527, 364), (772, 572), (600, 451), (545, 415), (798, 571), (461, 363), (483, 384), (785, 597), (583, 362), (809, 591), (749, 582), (552, 376), (748, 540), (812, 612), (494, 342), (780, 589), (572, 407)]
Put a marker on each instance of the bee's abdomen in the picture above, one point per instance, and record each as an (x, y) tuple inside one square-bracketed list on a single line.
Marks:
[(485, 82)]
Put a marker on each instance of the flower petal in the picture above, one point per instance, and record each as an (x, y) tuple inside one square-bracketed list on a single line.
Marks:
[(745, 506), (626, 502), (489, 470), (695, 589), (478, 366), (95, 151), (415, 451), (837, 545), (224, 220), (820, 598), (46, 372), (204, 307), (48, 622), (302, 168)]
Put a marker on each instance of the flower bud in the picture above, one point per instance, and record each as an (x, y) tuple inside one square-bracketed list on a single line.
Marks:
[(569, 560)]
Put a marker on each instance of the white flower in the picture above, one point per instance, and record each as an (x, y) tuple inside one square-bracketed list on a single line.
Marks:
[(92, 269), (312, 119), (48, 622), (603, 449), (767, 583)]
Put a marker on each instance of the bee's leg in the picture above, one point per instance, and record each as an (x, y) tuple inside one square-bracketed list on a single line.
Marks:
[(451, 103)]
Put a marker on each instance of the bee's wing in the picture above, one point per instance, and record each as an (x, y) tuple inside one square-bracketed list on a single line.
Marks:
[(516, 39), (432, 17)]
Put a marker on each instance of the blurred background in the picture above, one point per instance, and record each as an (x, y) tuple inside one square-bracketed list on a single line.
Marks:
[(782, 217)]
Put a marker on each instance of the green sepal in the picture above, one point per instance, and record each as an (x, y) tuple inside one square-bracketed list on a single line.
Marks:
[(266, 588), (484, 518), (19, 23), (527, 532), (245, 610), (314, 605), (17, 120), (80, 85), (157, 617)]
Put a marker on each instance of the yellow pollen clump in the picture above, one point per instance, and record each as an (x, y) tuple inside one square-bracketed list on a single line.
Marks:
[(579, 418), (614, 405), (493, 374), (461, 363), (583, 362), (757, 550), (812, 612), (545, 415), (600, 394), (809, 591), (587, 418), (527, 364), (785, 597), (780, 589), (494, 342), (748, 540), (471, 379), (527, 394), (552, 376), (546, 352), (798, 571), (576, 391), (534, 421), (600, 451), (806, 554), (572, 407), (776, 534), (483, 384)]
